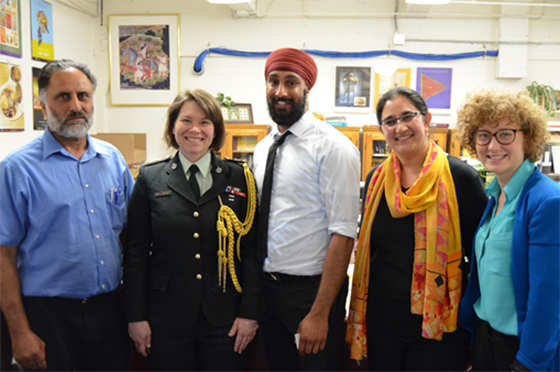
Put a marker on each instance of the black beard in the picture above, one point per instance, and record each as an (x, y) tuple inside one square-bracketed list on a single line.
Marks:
[(284, 118)]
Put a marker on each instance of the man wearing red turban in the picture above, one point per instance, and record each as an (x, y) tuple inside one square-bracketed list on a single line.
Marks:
[(307, 174)]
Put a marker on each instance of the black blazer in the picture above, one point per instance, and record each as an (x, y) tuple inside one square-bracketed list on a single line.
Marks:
[(170, 255)]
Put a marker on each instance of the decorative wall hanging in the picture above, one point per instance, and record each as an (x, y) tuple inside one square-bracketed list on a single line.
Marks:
[(144, 59)]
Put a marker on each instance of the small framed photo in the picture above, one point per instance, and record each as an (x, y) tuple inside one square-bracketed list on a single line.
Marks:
[(353, 89), (144, 59), (241, 113)]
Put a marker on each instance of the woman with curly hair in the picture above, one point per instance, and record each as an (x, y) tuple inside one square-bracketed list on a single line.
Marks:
[(512, 303)]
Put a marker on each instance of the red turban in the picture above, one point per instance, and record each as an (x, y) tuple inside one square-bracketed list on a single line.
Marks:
[(294, 60)]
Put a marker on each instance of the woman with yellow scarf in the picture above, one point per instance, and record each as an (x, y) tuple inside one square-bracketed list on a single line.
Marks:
[(420, 211)]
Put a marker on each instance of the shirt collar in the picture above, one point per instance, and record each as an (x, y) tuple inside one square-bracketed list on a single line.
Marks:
[(299, 127), (52, 146), (515, 185), (203, 163)]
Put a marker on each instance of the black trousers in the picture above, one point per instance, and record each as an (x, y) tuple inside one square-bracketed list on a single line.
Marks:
[(390, 350), (203, 347), (5, 345), (492, 350), (81, 335), (287, 301)]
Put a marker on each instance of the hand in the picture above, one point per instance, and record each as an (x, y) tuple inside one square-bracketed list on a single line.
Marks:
[(29, 351), (246, 330), (141, 334), (313, 334)]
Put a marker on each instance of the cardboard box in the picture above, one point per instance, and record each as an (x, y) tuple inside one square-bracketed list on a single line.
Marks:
[(131, 145)]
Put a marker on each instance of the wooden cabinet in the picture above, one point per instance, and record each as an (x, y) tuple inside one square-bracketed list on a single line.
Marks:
[(374, 149), (353, 133), (439, 136), (241, 140), (453, 144)]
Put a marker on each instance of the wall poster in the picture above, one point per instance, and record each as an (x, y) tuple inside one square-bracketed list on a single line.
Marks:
[(434, 85), (386, 82), (42, 40), (353, 89), (11, 118), (144, 59), (10, 27), (39, 118)]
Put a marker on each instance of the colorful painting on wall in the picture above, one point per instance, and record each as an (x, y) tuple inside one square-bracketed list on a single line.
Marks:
[(434, 85), (42, 40), (11, 118), (144, 59), (39, 118), (10, 27)]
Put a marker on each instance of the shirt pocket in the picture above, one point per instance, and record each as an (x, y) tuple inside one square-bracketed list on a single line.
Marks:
[(498, 253), (116, 208)]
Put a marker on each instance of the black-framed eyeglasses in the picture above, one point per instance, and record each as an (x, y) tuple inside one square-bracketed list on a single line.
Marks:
[(503, 136), (406, 118)]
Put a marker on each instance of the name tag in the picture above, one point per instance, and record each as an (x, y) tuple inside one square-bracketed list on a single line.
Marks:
[(163, 193)]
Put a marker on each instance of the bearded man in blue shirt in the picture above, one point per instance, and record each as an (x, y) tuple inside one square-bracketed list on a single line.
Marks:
[(63, 207)]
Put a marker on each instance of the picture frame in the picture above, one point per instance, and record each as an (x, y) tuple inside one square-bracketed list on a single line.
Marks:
[(241, 113), (10, 28), (353, 89), (400, 77), (144, 59)]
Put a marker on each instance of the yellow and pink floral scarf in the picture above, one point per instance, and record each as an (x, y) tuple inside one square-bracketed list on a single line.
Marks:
[(437, 276)]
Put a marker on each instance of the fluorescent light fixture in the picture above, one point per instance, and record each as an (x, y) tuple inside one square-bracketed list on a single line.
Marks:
[(428, 2), (228, 1)]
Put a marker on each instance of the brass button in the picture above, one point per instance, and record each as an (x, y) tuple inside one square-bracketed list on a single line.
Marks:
[(196, 235), (195, 214), (198, 276), (197, 256)]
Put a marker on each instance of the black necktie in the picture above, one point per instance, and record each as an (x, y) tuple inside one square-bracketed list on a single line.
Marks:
[(193, 183), (265, 196)]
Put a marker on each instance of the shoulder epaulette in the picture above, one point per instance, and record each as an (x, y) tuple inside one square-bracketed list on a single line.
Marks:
[(158, 160), (234, 160)]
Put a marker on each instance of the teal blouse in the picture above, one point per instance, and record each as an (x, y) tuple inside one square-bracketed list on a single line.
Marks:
[(493, 243)]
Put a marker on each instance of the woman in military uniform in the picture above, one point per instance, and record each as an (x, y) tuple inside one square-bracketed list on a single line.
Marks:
[(192, 277)]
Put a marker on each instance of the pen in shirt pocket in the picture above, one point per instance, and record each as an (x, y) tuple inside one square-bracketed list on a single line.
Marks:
[(115, 196)]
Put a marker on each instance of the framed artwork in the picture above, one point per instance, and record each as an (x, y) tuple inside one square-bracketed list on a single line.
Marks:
[(241, 113), (39, 118), (42, 40), (10, 28), (353, 89), (11, 99), (434, 85), (144, 59), (386, 82)]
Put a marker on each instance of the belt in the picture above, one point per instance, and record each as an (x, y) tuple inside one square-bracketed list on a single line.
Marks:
[(89, 300), (287, 278)]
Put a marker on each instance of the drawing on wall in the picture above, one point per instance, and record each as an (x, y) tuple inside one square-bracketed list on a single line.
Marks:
[(42, 40), (434, 85), (353, 89), (10, 31), (39, 118), (11, 119), (384, 83), (143, 59)]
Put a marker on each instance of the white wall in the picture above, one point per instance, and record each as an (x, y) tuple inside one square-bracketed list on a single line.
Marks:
[(73, 37), (201, 25)]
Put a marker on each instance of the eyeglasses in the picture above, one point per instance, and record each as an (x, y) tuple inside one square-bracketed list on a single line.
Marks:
[(503, 136), (405, 119)]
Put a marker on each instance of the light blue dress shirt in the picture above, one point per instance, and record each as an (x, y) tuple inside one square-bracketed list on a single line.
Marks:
[(65, 215), (493, 249)]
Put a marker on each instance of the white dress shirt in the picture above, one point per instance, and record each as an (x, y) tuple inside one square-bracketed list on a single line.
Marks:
[(315, 193)]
